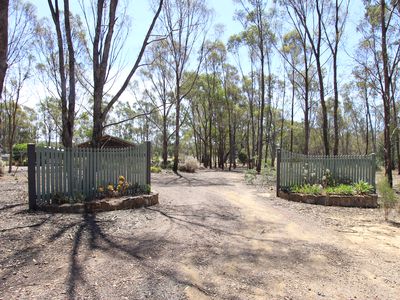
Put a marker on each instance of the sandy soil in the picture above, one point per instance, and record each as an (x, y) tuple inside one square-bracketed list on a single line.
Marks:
[(211, 237)]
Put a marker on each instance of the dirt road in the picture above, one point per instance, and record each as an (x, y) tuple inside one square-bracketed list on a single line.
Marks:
[(211, 237)]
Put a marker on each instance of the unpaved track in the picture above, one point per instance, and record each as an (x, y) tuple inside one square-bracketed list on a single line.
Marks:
[(211, 237)]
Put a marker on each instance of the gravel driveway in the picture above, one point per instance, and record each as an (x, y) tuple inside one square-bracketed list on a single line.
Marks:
[(211, 237)]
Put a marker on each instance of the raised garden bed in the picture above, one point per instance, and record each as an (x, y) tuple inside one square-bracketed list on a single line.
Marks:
[(365, 201), (105, 204)]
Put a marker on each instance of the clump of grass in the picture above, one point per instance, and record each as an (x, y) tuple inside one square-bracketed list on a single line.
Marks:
[(388, 196), (250, 175), (190, 165), (363, 188), (309, 189), (341, 189), (155, 169)]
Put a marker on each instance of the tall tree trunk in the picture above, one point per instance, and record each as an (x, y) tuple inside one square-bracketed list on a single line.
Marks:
[(261, 121), (165, 142), (306, 102), (386, 97), (3, 42), (177, 125)]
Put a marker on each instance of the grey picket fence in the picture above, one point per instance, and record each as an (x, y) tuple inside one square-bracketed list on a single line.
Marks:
[(298, 169), (74, 172)]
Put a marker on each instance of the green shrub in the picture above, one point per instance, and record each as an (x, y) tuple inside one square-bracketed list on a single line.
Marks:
[(155, 169), (242, 157), (168, 165), (363, 188), (20, 152), (341, 189), (309, 189), (250, 175), (388, 196)]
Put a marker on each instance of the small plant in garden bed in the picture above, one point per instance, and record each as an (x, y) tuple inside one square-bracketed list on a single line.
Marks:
[(123, 188), (360, 188), (341, 189), (309, 189)]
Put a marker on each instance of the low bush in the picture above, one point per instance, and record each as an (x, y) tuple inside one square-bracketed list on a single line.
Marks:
[(363, 188), (155, 169), (309, 189), (341, 189), (242, 157), (20, 153), (190, 165), (388, 196), (250, 176)]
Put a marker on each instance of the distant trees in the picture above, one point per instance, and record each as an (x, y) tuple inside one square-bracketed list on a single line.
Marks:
[(19, 61), (183, 24)]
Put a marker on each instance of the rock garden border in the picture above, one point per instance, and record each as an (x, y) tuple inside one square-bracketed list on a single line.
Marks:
[(101, 205), (363, 201)]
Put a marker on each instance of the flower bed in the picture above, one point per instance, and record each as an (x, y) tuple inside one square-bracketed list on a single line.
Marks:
[(360, 194), (105, 204), (365, 201)]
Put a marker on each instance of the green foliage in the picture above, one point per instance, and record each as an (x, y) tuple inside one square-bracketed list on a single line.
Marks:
[(388, 196), (155, 169), (363, 188), (341, 189), (20, 152), (250, 175), (309, 189), (242, 157)]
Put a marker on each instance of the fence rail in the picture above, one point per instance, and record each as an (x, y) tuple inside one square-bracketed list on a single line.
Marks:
[(297, 169), (80, 171)]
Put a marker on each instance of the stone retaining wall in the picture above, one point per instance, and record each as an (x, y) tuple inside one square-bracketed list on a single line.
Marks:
[(365, 201), (106, 204)]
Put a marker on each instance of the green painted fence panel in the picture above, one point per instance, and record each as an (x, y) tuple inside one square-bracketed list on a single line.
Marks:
[(76, 171), (298, 169)]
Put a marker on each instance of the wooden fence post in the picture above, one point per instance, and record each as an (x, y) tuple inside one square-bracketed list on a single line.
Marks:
[(373, 170), (148, 163), (278, 171), (31, 176)]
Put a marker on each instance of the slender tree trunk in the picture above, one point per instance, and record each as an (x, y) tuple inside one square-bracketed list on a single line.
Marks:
[(306, 102), (177, 127), (335, 83), (386, 97), (292, 113), (261, 121), (3, 42), (165, 143)]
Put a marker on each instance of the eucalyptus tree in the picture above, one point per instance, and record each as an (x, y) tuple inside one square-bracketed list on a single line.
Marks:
[(183, 24), (19, 61), (255, 18), (311, 15), (249, 86), (380, 30), (107, 29), (339, 17), (66, 75), (159, 92), (3, 41)]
